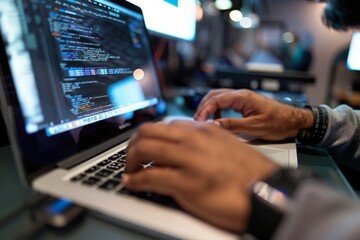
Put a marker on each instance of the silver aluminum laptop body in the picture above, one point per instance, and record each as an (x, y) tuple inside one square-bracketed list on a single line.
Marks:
[(77, 78)]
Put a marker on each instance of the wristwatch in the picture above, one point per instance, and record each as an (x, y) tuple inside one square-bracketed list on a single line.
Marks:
[(315, 134), (272, 199)]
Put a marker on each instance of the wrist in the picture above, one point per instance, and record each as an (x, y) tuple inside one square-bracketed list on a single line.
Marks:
[(307, 119), (314, 133), (302, 118)]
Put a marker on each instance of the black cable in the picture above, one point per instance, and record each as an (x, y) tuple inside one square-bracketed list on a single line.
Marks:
[(57, 213), (29, 232), (31, 202), (47, 211)]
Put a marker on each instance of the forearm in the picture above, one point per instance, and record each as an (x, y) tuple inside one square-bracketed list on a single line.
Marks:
[(320, 213)]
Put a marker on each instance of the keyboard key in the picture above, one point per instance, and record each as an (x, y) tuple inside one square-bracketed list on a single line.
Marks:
[(121, 160), (91, 181), (104, 163), (143, 195), (114, 157), (104, 173), (165, 201), (157, 198), (78, 177), (92, 169), (109, 185), (153, 197), (118, 176), (115, 166), (123, 152), (124, 191)]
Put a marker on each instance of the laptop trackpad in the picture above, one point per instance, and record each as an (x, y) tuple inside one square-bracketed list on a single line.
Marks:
[(279, 156)]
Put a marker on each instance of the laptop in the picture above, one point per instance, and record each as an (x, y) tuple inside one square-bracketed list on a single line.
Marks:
[(77, 79)]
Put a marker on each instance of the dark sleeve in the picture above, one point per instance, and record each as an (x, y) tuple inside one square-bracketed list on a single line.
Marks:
[(342, 138), (320, 213)]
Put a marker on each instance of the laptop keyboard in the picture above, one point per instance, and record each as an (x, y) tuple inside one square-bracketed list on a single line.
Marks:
[(106, 175)]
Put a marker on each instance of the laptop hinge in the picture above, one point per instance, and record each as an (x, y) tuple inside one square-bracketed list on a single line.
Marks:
[(94, 151)]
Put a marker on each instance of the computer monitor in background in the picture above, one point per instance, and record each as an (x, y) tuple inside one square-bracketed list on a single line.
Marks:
[(170, 18), (353, 61)]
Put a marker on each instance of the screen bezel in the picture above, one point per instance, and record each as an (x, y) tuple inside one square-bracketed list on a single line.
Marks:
[(16, 126)]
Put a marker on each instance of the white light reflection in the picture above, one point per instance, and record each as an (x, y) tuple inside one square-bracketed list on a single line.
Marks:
[(246, 22), (223, 4), (139, 74), (236, 15)]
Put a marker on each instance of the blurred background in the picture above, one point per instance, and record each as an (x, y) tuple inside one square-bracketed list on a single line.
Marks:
[(252, 36), (278, 47)]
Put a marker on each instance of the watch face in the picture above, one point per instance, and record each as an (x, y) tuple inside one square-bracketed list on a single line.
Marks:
[(269, 205), (272, 197)]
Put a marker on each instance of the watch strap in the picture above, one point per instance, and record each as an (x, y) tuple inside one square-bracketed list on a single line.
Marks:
[(315, 134), (264, 218), (272, 200)]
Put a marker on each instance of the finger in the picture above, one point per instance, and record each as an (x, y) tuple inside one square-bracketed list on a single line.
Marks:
[(211, 94), (208, 97), (219, 102), (162, 153), (236, 100), (230, 124), (183, 123), (243, 125), (215, 92), (166, 181), (249, 127), (173, 131)]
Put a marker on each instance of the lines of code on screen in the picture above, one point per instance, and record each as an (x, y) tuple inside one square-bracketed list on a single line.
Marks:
[(97, 46)]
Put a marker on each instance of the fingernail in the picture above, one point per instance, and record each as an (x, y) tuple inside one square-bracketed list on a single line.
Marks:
[(125, 179), (216, 123)]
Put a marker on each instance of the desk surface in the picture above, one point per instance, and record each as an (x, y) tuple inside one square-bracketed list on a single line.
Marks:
[(14, 193), (91, 226)]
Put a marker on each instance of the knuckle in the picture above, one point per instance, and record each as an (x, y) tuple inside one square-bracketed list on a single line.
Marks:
[(141, 132), (216, 100), (212, 92), (143, 129), (232, 125), (246, 93), (141, 148)]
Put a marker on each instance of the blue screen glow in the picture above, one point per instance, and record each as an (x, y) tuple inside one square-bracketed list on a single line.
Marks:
[(353, 61)]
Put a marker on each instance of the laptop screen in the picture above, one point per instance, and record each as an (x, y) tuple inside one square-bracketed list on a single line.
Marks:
[(353, 60), (82, 71)]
